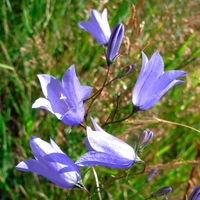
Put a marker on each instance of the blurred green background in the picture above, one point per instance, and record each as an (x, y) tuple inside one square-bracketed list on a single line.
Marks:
[(43, 37)]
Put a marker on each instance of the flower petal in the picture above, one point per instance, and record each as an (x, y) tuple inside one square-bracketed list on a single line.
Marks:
[(31, 165), (150, 72), (104, 142), (41, 148), (65, 179), (45, 104), (88, 145), (52, 90), (71, 85), (100, 22), (74, 116), (106, 159), (160, 87), (98, 26), (55, 146), (84, 92), (155, 64), (74, 92), (140, 80), (96, 126), (156, 98), (60, 160), (51, 163), (61, 169)]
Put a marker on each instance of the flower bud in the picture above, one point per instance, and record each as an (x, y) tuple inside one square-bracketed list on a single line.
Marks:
[(195, 194), (151, 174), (126, 70), (161, 192), (114, 42), (144, 138)]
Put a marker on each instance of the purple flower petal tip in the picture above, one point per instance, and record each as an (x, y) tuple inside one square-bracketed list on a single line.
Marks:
[(98, 26), (114, 42), (63, 99), (153, 82), (105, 149), (51, 163)]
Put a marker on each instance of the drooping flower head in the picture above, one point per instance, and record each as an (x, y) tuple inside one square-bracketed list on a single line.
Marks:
[(195, 194), (153, 82), (105, 149), (63, 99), (52, 163), (114, 42), (98, 26)]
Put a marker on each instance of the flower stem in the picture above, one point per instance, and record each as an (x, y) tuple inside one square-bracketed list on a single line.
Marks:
[(97, 183), (107, 84), (98, 94), (89, 195), (114, 112), (134, 110)]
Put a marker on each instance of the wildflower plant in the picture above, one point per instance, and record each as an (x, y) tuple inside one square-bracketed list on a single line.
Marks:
[(66, 99)]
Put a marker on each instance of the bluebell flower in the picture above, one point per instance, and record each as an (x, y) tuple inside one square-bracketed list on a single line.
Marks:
[(51, 163), (153, 82), (98, 26), (105, 149), (114, 42), (195, 194), (63, 99)]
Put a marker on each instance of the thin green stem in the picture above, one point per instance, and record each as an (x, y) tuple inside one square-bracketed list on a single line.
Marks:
[(97, 183)]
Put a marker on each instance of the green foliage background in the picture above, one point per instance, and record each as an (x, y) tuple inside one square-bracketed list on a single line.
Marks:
[(43, 37)]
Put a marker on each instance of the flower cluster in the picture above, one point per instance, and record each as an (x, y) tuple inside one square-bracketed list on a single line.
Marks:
[(65, 99)]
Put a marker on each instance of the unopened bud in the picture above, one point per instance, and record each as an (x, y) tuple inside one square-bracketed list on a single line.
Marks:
[(129, 69), (114, 43), (161, 192), (195, 194), (144, 138), (126, 70), (151, 174)]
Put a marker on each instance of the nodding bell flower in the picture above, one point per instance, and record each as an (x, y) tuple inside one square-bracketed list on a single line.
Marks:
[(63, 99), (153, 82), (105, 149), (98, 26), (195, 194), (114, 42), (52, 163), (144, 139), (163, 191)]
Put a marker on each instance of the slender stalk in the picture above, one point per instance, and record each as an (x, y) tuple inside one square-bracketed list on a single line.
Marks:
[(97, 183), (99, 93), (107, 84), (114, 112), (134, 110), (89, 195), (81, 125)]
